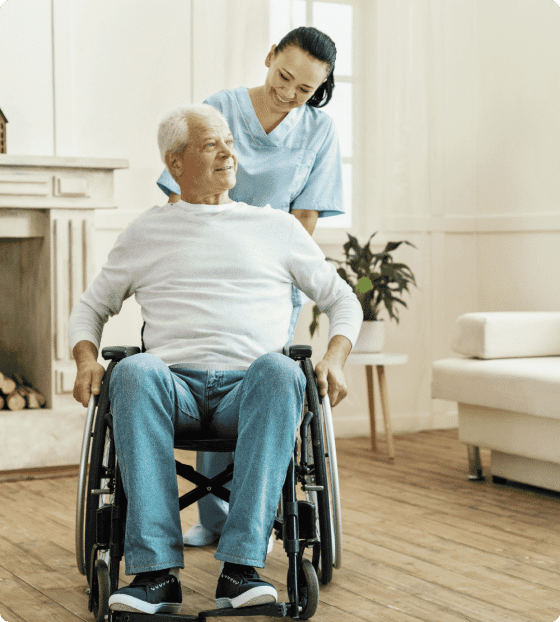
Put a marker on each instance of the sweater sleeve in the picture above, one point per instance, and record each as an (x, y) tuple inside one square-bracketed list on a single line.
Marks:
[(105, 295), (319, 280)]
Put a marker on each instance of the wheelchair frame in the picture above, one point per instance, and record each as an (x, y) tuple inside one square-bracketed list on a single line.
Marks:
[(313, 523)]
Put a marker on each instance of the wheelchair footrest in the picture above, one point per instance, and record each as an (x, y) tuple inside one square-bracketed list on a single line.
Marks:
[(136, 616), (274, 610)]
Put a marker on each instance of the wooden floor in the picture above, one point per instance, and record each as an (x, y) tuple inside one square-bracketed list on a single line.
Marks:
[(421, 542)]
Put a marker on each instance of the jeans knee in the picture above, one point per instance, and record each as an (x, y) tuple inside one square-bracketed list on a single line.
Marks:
[(134, 373), (279, 370)]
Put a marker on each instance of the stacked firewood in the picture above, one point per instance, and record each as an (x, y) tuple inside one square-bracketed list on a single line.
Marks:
[(16, 393)]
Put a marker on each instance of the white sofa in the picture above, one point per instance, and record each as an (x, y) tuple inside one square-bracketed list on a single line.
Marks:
[(507, 386)]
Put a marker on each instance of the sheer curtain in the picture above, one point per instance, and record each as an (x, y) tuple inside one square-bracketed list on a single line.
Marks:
[(229, 45), (425, 94), (404, 118)]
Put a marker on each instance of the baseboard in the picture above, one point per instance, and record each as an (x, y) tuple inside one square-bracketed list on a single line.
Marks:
[(39, 473), (349, 427)]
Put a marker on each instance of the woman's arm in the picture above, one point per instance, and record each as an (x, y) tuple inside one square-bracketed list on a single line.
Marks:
[(307, 217)]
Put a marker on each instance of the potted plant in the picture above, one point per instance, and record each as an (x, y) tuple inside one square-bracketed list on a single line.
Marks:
[(378, 281)]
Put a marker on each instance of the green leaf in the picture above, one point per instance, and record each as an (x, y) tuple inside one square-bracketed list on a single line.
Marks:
[(364, 285), (314, 324)]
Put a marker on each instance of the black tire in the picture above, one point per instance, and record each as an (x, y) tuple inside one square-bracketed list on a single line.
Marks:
[(308, 589), (100, 591), (96, 472), (323, 563)]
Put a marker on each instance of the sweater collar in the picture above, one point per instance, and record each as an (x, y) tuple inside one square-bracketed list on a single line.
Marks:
[(194, 208)]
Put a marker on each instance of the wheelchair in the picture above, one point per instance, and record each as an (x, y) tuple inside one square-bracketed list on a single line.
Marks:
[(308, 518)]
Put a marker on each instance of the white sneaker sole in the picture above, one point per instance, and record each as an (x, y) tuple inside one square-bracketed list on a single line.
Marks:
[(257, 596), (124, 602)]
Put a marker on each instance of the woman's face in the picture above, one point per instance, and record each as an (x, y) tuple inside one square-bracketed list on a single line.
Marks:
[(293, 76)]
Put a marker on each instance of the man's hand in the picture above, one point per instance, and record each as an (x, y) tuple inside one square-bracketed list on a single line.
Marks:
[(90, 372), (330, 377)]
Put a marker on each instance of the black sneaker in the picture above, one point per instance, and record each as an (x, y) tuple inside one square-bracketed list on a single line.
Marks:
[(241, 586), (150, 592)]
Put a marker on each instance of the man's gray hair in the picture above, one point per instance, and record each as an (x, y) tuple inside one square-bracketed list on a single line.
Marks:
[(173, 131)]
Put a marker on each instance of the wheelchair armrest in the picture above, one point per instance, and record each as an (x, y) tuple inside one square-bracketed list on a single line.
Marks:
[(117, 353), (298, 352)]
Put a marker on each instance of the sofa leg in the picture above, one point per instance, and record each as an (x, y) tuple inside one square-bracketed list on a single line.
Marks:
[(475, 465)]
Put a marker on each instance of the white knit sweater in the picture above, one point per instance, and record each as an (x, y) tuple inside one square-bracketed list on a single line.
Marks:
[(214, 283)]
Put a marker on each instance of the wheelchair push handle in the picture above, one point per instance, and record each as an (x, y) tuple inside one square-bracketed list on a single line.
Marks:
[(298, 353), (117, 353)]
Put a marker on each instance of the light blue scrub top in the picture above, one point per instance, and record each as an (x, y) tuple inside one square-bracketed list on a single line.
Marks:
[(296, 166)]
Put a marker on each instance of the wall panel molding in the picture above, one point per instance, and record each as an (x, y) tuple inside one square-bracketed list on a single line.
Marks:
[(492, 223)]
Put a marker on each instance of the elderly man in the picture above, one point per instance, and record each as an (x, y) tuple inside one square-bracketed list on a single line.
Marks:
[(214, 279)]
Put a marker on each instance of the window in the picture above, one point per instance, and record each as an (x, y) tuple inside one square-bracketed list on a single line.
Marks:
[(337, 20)]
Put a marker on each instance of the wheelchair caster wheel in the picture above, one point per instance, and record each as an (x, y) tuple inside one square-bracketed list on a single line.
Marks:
[(100, 591), (308, 589)]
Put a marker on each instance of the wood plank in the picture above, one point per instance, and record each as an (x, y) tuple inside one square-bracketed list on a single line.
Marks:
[(28, 603)]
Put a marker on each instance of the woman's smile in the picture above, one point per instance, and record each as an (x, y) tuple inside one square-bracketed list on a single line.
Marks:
[(280, 100)]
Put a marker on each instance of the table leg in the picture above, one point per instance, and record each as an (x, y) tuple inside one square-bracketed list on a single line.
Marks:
[(385, 408), (371, 400)]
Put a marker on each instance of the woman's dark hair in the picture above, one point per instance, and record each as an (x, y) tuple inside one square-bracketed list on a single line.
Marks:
[(320, 46)]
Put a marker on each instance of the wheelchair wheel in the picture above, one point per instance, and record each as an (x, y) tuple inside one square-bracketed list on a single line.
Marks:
[(101, 481), (334, 489), (82, 486), (100, 590), (308, 589), (323, 552)]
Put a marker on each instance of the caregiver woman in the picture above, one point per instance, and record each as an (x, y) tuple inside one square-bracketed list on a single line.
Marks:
[(289, 158)]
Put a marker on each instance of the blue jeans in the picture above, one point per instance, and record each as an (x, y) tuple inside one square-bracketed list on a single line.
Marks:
[(152, 404), (212, 510)]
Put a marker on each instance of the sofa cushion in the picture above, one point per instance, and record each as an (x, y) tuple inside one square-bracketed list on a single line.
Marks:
[(507, 334), (527, 385)]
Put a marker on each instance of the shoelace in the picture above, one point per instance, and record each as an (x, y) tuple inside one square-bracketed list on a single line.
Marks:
[(244, 576), (145, 579)]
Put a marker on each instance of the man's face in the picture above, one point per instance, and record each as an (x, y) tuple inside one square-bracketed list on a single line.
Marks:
[(209, 163)]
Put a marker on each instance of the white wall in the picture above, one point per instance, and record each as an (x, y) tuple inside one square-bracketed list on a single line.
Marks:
[(26, 86)]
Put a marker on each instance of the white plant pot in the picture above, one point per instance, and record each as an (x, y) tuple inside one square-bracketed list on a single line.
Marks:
[(371, 337)]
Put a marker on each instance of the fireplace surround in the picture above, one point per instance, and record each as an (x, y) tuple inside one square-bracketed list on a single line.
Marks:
[(47, 211)]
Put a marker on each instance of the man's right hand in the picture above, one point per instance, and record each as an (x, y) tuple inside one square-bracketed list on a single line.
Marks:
[(90, 372)]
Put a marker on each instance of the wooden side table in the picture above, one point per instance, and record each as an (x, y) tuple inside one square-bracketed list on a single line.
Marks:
[(378, 360)]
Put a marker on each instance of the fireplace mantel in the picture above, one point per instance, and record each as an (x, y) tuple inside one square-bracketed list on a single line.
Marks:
[(47, 209)]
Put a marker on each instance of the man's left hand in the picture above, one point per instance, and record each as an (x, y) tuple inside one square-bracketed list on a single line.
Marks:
[(329, 371), (330, 379)]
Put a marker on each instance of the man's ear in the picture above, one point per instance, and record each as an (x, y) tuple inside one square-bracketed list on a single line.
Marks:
[(174, 163), (269, 56)]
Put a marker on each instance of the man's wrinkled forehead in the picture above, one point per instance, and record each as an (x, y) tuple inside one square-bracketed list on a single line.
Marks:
[(198, 126)]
